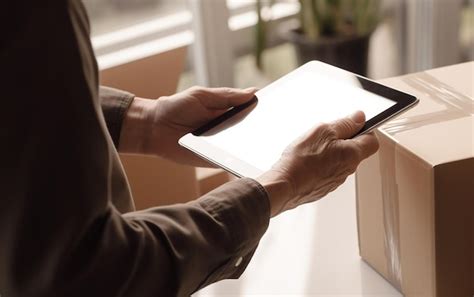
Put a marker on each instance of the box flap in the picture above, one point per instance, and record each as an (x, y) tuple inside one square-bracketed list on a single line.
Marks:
[(440, 129)]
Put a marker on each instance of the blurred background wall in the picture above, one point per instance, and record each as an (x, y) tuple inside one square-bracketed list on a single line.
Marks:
[(221, 37), (411, 35)]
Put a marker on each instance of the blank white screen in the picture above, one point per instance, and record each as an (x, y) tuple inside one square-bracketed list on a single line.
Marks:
[(314, 93)]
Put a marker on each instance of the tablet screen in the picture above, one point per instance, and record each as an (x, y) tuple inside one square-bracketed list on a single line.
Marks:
[(288, 108)]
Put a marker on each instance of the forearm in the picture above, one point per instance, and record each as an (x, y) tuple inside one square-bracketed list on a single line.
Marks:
[(210, 239), (60, 231), (137, 124), (115, 104), (279, 191), (130, 120), (169, 251)]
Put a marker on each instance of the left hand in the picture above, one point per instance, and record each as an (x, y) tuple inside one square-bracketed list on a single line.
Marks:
[(153, 127)]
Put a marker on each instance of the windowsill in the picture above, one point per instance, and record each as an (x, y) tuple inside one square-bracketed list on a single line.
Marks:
[(145, 49), (174, 31)]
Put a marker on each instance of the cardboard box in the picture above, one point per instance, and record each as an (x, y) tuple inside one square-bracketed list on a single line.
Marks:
[(211, 178), (415, 197)]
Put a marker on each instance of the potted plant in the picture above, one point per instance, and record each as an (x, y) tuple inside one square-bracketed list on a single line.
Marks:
[(333, 31)]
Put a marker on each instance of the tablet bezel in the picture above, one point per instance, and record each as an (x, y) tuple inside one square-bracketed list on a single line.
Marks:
[(196, 144)]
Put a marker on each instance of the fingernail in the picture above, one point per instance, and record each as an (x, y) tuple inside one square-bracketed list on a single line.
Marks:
[(358, 117)]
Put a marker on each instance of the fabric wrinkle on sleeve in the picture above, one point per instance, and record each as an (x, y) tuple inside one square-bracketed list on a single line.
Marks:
[(221, 227), (114, 105), (247, 217), (60, 233)]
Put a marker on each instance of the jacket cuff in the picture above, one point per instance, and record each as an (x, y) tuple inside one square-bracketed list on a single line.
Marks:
[(246, 215), (114, 106)]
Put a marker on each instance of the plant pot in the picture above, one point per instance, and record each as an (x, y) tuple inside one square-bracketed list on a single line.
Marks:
[(349, 53)]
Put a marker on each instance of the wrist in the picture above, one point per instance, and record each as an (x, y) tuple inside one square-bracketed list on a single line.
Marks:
[(279, 190), (136, 126)]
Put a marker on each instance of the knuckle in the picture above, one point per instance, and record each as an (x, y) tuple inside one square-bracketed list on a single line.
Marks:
[(345, 124), (165, 98), (326, 131), (346, 159), (368, 146), (323, 136), (347, 127), (297, 145), (197, 90), (204, 91), (318, 138), (323, 126), (227, 91), (375, 143)]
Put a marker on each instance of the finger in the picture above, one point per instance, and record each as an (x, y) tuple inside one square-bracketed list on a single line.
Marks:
[(321, 131), (347, 127), (367, 144), (225, 98)]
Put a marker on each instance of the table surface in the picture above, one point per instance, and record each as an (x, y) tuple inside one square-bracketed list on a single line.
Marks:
[(310, 251)]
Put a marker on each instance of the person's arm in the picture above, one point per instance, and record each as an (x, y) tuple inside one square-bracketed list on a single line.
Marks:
[(60, 234), (115, 104), (153, 127), (317, 163)]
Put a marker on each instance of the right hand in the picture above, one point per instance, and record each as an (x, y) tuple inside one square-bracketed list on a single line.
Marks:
[(317, 163)]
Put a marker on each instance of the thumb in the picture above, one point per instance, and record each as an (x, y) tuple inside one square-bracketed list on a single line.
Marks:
[(347, 127), (224, 98)]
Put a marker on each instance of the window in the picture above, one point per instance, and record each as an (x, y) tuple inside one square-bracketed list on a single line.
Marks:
[(466, 34), (125, 30), (112, 15)]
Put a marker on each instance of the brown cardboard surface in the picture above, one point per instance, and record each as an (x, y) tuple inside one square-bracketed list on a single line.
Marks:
[(156, 182), (370, 215), (211, 178), (442, 115), (150, 77), (454, 246), (409, 179), (457, 77), (415, 197), (414, 181)]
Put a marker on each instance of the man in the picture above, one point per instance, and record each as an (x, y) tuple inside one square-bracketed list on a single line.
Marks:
[(67, 226)]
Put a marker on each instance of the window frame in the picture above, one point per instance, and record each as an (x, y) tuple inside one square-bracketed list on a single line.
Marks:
[(176, 30)]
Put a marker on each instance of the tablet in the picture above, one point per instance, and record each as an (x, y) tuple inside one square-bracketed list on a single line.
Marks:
[(248, 139)]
